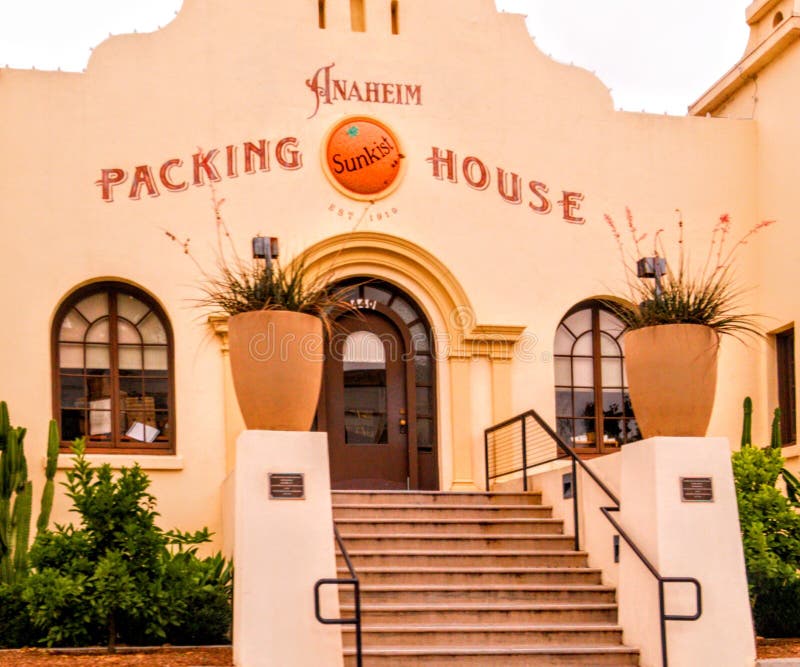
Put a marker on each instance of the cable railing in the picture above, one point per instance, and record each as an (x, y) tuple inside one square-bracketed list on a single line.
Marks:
[(525, 442), (352, 581)]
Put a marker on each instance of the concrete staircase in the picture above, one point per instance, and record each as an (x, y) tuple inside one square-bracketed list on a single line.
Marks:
[(472, 579)]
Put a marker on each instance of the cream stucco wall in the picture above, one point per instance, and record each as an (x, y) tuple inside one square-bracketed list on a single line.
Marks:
[(759, 91), (226, 73)]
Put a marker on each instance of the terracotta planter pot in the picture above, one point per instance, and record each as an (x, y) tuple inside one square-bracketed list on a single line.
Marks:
[(276, 360), (672, 377)]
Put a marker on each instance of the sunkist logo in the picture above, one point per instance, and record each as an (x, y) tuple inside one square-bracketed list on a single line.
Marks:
[(362, 158)]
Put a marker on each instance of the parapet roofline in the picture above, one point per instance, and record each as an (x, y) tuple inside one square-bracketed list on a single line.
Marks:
[(749, 66), (759, 9)]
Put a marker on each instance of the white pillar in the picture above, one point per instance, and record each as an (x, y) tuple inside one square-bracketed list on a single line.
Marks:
[(281, 548), (684, 539)]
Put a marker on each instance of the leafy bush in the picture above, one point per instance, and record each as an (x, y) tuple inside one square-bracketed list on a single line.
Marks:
[(15, 625), (118, 575), (771, 538)]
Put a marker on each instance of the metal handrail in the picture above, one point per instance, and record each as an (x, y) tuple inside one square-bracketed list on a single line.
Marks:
[(352, 581), (606, 511)]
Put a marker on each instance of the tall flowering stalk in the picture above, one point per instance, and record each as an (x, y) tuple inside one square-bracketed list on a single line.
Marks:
[(240, 285), (682, 296)]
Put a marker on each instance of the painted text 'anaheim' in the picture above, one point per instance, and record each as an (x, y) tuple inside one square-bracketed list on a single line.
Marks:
[(328, 90)]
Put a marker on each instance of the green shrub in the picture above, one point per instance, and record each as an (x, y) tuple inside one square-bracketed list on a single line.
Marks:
[(771, 539), (118, 575), (16, 629)]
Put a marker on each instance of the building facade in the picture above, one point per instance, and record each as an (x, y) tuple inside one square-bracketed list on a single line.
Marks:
[(425, 155)]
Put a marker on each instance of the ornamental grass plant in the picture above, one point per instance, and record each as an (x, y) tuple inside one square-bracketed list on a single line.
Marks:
[(241, 285), (683, 295)]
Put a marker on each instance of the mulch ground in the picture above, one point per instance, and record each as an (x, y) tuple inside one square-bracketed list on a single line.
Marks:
[(223, 657), (196, 657), (778, 648)]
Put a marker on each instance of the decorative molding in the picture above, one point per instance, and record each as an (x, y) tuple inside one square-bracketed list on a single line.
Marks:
[(748, 67), (117, 461), (219, 324)]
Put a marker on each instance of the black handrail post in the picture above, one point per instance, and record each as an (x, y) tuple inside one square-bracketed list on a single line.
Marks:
[(524, 455), (357, 590), (663, 622), (575, 508), (486, 450)]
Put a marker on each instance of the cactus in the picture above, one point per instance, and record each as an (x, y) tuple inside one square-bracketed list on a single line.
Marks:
[(53, 443), (775, 440), (747, 424), (16, 496)]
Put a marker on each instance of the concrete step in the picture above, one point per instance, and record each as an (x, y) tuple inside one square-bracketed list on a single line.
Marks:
[(428, 510), (490, 593), (523, 576), (485, 635), (479, 656), (479, 558), (463, 542), (465, 613), (450, 526), (435, 498)]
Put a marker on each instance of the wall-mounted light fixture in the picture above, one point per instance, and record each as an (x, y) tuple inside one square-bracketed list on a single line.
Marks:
[(652, 267), (266, 248)]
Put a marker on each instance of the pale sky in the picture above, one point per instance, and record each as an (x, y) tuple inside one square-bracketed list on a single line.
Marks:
[(655, 55)]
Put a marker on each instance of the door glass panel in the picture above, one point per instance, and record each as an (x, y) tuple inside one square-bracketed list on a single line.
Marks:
[(404, 310), (365, 389), (375, 294), (424, 369), (424, 401), (419, 338)]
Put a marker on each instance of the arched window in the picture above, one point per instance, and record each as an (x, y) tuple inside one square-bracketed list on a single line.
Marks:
[(113, 371), (593, 409)]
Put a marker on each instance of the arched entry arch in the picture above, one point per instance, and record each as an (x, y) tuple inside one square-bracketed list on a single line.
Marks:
[(458, 340), (378, 402)]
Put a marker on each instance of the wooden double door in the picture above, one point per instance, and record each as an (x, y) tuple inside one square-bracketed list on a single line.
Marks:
[(367, 404)]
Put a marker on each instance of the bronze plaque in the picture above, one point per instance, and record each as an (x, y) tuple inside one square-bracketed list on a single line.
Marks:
[(697, 490), (287, 486)]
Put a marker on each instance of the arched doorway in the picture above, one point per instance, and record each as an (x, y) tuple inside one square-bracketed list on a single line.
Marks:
[(378, 398)]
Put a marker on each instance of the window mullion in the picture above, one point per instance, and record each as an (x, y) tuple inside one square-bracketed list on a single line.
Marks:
[(113, 339), (598, 380)]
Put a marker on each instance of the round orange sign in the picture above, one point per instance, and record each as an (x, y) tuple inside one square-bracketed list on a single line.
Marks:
[(362, 158)]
